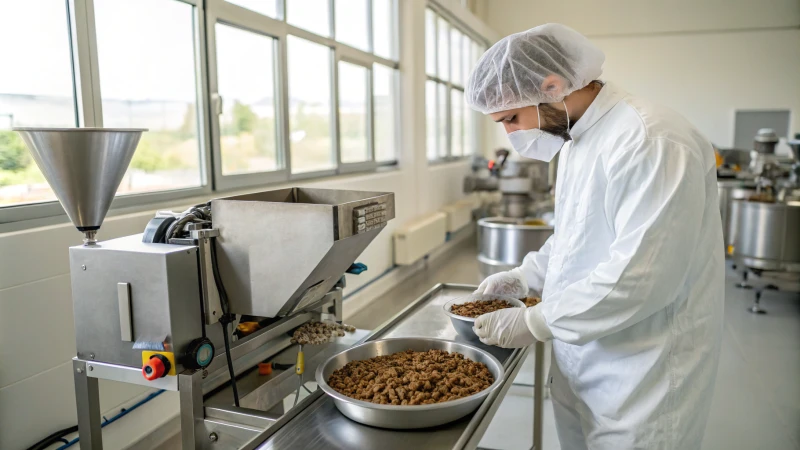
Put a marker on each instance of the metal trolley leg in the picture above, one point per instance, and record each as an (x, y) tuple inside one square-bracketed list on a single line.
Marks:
[(87, 399), (190, 390), (538, 394)]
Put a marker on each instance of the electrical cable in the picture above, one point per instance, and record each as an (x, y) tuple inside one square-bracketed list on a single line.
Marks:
[(225, 319), (53, 438)]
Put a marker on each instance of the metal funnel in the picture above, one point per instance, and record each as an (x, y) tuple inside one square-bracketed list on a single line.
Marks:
[(84, 167)]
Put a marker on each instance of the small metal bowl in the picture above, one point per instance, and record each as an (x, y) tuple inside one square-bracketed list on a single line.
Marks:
[(463, 325), (407, 416)]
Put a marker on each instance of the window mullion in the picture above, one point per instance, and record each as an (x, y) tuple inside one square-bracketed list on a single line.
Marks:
[(85, 63), (370, 115), (335, 141), (370, 27), (282, 86)]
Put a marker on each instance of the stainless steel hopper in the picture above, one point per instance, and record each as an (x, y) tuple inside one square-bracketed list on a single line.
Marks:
[(84, 167), (281, 251)]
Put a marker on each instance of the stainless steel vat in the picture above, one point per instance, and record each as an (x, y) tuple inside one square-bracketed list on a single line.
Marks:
[(730, 190), (407, 417), (767, 235), (504, 242)]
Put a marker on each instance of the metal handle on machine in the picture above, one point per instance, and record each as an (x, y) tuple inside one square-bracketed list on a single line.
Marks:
[(125, 316)]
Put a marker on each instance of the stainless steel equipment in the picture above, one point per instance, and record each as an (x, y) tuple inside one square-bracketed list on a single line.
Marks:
[(463, 325), (282, 250), (504, 242), (407, 417), (317, 423), (765, 141), (524, 184), (147, 306), (767, 235), (730, 190), (764, 231), (84, 166)]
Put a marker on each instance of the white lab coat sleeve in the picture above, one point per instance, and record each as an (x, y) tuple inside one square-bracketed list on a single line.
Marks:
[(534, 266), (654, 201)]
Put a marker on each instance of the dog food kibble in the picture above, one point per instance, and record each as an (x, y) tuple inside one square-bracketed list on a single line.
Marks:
[(411, 378), (531, 301), (475, 309), (315, 333)]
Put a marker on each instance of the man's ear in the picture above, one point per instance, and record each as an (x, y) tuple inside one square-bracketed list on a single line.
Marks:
[(553, 85)]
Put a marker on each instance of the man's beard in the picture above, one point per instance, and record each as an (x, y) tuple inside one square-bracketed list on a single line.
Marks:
[(555, 121)]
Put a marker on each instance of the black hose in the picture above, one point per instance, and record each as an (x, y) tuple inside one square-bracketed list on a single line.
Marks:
[(53, 438), (226, 317)]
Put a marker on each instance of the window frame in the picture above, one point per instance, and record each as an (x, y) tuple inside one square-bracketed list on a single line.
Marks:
[(279, 29), (206, 13), (89, 110), (469, 139)]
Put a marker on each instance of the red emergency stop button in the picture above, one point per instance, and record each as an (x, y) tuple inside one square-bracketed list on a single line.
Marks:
[(157, 367)]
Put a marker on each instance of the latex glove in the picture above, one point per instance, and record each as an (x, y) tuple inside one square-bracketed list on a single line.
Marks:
[(505, 328), (510, 283)]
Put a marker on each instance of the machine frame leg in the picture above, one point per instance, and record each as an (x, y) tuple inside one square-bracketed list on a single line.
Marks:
[(538, 394), (190, 390), (744, 284), (756, 308), (87, 400)]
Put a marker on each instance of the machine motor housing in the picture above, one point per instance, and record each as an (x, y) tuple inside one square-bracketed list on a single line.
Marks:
[(126, 291)]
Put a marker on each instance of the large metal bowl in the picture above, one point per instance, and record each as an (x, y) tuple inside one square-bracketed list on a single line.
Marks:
[(399, 416), (463, 325)]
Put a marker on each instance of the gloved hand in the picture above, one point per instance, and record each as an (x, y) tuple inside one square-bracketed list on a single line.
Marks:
[(505, 328), (510, 283)]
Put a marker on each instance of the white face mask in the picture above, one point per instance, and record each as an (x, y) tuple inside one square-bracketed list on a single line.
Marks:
[(535, 143)]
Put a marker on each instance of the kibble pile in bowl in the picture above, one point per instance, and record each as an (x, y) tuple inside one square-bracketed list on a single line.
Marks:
[(411, 378), (479, 308)]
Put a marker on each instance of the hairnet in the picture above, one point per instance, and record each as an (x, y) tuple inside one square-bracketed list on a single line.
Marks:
[(510, 74)]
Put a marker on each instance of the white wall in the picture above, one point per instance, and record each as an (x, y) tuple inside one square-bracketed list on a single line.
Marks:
[(704, 58), (37, 339)]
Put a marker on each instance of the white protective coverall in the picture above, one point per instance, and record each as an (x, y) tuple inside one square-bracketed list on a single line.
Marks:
[(632, 281)]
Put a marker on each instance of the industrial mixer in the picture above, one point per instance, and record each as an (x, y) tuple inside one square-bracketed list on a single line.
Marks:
[(522, 221), (160, 309), (765, 225)]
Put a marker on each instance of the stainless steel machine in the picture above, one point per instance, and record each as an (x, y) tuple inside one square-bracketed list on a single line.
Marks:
[(503, 242), (519, 223), (524, 185), (765, 221), (160, 309)]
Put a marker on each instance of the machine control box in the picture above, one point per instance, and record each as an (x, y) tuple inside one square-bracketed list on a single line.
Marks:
[(129, 294), (369, 217)]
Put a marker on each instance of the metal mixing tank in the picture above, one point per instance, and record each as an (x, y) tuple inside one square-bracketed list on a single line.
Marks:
[(504, 242), (730, 190), (767, 235)]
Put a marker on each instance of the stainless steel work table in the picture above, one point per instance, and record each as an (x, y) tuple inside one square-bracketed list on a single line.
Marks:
[(317, 424)]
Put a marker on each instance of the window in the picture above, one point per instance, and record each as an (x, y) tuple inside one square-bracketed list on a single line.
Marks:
[(353, 121), (36, 93), (384, 106), (310, 106), (450, 54), (237, 93), (245, 73), (311, 15), (383, 28), (159, 95), (351, 23)]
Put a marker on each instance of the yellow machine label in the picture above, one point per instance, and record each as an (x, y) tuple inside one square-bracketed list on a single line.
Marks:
[(170, 356)]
